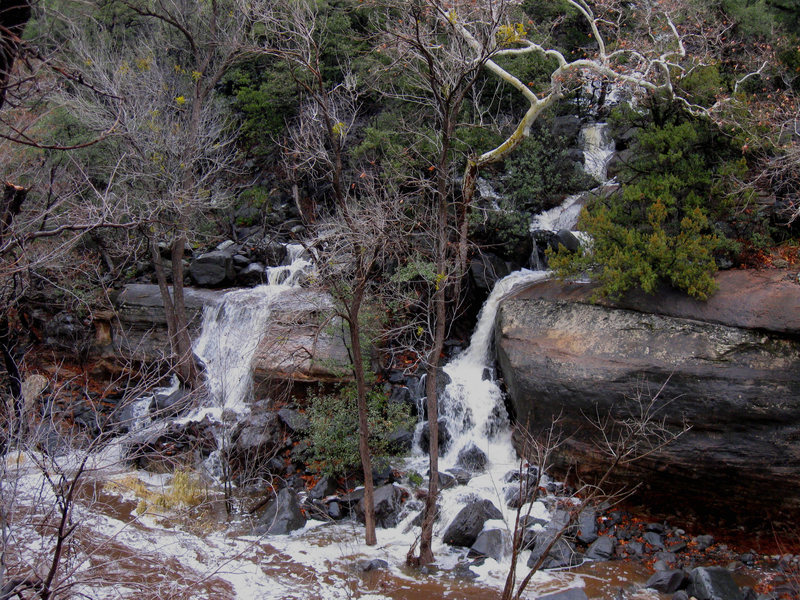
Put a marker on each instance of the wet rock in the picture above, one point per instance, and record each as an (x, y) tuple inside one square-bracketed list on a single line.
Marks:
[(400, 441), (462, 475), (335, 511), (171, 403), (468, 523), (375, 564), (254, 443), (491, 543), (517, 494), (282, 515), (567, 240), (177, 444), (721, 359), (569, 594), (444, 437), (654, 539), (326, 486), (713, 583), (667, 558), (447, 481), (471, 458), (601, 549), (212, 268), (487, 269), (388, 500), (527, 521), (587, 526), (666, 582), (400, 395), (252, 274), (562, 553), (704, 542), (680, 595), (294, 420)]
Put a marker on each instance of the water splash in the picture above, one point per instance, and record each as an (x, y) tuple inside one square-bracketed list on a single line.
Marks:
[(598, 148), (472, 405)]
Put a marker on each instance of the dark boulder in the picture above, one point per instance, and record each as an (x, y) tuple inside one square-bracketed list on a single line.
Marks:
[(388, 500), (444, 437), (282, 515), (471, 458), (561, 554), (667, 582), (601, 549), (375, 564), (713, 583), (491, 543), (212, 268), (326, 486), (251, 274), (587, 526), (462, 475), (295, 421), (468, 523)]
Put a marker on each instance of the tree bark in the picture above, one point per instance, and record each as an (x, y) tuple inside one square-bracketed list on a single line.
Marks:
[(363, 423)]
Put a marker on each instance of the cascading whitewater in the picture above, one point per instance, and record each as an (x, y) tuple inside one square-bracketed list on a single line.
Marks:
[(472, 405), (598, 148), (231, 331)]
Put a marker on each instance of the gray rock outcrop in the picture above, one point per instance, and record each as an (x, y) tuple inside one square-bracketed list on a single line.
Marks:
[(730, 368)]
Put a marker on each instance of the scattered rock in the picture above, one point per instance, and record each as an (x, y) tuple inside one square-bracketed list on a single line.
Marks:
[(471, 458), (601, 549), (212, 268), (295, 421), (462, 475), (587, 526), (491, 543), (376, 564), (444, 437), (282, 515), (326, 486), (667, 582), (713, 583), (387, 500), (468, 523)]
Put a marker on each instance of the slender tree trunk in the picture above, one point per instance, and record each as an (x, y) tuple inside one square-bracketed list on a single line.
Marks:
[(187, 369), (177, 328), (363, 423), (434, 358)]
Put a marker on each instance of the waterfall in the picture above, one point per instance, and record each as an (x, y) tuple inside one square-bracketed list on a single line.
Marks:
[(563, 216), (472, 404), (231, 331), (598, 149)]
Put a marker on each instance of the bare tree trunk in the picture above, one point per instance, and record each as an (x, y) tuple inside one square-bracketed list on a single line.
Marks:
[(175, 311), (187, 369), (363, 423)]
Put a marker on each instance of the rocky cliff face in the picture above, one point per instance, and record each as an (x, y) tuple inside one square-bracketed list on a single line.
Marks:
[(732, 372)]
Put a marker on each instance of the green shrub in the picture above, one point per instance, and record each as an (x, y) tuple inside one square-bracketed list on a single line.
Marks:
[(658, 228), (333, 433)]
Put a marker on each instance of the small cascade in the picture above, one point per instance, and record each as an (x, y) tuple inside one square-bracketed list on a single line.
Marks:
[(232, 330), (563, 216), (472, 405), (294, 267), (598, 148)]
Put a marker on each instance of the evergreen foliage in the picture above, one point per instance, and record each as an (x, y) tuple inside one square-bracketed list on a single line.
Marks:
[(333, 432)]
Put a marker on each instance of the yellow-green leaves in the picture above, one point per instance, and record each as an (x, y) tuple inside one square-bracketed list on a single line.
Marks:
[(511, 34)]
